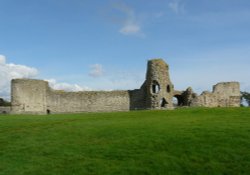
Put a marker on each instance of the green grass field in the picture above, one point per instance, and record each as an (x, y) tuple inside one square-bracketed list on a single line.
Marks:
[(184, 141)]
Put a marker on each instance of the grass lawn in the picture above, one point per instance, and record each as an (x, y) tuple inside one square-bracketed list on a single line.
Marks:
[(184, 141)]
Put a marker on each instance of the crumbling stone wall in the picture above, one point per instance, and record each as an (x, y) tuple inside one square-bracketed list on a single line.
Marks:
[(225, 94), (184, 98)]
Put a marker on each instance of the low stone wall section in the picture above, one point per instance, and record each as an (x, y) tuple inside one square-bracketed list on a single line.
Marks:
[(137, 99), (88, 101), (5, 109), (36, 97), (225, 94)]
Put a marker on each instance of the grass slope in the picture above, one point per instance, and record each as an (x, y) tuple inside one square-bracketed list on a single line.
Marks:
[(185, 141)]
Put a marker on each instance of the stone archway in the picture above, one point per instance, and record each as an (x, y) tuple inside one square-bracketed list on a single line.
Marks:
[(178, 100), (163, 103)]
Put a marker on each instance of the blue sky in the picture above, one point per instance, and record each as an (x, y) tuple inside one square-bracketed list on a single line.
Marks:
[(90, 44)]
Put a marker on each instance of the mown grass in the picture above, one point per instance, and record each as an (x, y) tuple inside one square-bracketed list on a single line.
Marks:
[(184, 141)]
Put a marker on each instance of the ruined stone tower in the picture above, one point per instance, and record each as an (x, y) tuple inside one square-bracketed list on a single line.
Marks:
[(159, 89)]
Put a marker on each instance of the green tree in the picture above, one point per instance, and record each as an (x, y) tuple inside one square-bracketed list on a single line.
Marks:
[(4, 103), (245, 96)]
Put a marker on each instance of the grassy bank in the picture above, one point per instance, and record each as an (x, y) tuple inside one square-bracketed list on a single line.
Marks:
[(184, 141)]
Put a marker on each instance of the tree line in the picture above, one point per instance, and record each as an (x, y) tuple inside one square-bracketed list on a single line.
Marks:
[(4, 103), (245, 96)]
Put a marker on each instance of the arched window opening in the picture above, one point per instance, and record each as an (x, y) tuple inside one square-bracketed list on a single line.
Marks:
[(155, 87), (48, 111), (163, 103), (168, 88)]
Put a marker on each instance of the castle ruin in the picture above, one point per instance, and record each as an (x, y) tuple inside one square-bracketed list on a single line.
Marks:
[(157, 92)]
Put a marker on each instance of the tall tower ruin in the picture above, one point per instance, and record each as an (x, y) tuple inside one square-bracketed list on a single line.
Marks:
[(159, 89)]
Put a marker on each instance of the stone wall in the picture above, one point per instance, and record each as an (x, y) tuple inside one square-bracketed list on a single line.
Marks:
[(28, 96), (92, 101), (5, 109), (184, 98), (36, 97), (137, 99), (225, 94)]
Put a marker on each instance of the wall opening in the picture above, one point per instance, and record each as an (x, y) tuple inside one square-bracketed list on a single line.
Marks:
[(175, 102), (155, 87), (163, 103), (168, 88), (4, 112), (48, 111), (178, 101)]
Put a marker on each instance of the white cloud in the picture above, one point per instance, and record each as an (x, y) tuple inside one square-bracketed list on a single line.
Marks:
[(130, 28), (2, 59), (9, 71), (176, 6), (96, 70), (118, 79), (130, 25), (66, 86)]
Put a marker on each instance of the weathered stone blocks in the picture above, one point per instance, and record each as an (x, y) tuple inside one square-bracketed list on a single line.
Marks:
[(225, 94)]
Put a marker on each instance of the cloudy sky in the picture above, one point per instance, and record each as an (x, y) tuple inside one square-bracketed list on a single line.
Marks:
[(104, 45)]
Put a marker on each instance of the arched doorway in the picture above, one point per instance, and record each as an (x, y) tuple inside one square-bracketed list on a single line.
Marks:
[(175, 101), (163, 103), (178, 100)]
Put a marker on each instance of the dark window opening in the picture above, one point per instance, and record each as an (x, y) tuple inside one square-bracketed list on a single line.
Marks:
[(48, 111), (4, 112), (168, 88), (163, 103), (155, 87)]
